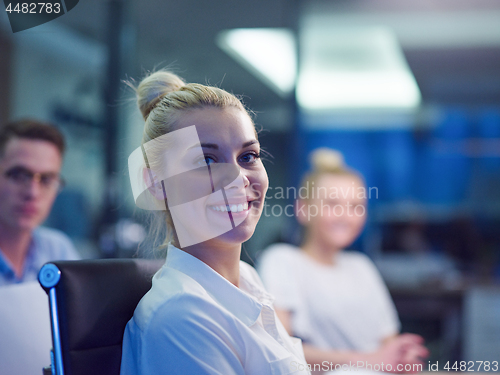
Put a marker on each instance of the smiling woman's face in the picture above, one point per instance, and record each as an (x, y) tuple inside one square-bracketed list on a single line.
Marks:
[(230, 147)]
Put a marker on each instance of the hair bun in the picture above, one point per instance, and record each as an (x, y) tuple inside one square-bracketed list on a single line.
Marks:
[(327, 160), (154, 87)]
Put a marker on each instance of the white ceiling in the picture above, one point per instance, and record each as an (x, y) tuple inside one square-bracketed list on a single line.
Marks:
[(452, 46)]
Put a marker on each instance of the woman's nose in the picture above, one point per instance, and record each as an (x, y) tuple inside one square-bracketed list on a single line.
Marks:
[(241, 181)]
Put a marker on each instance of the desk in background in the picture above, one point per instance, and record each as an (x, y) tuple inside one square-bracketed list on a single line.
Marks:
[(460, 324)]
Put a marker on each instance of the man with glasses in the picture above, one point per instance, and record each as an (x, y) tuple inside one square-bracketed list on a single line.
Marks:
[(30, 163)]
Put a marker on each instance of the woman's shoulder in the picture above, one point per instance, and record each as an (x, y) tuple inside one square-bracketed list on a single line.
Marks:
[(355, 256), (358, 260), (279, 259), (175, 295), (282, 251)]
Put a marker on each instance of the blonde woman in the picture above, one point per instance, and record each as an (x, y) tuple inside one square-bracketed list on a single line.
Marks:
[(199, 168), (335, 300)]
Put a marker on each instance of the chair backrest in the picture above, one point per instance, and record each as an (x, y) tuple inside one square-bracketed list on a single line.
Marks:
[(91, 302)]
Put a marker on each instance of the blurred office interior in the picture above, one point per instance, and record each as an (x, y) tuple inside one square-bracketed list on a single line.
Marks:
[(408, 91)]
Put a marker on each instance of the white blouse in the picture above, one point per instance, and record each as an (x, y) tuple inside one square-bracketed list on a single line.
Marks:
[(194, 321), (345, 306)]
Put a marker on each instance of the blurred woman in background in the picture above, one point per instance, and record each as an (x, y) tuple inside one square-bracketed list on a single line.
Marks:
[(335, 300)]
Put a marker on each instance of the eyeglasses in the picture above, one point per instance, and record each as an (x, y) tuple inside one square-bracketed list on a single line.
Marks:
[(23, 177)]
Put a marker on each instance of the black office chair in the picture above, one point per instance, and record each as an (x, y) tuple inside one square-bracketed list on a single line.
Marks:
[(91, 302)]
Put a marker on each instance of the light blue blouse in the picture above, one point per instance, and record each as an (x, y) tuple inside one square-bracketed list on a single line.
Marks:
[(193, 321)]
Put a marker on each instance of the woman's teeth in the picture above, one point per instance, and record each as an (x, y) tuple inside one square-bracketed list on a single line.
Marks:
[(233, 207)]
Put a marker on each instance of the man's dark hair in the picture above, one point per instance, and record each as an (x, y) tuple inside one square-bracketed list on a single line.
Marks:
[(31, 129)]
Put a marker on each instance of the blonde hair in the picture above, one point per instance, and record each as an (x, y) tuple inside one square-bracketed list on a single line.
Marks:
[(326, 161), (162, 98)]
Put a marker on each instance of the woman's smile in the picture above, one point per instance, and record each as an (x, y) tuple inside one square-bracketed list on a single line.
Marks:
[(233, 208)]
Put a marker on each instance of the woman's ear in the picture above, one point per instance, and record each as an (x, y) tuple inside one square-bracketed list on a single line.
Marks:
[(154, 186), (301, 212)]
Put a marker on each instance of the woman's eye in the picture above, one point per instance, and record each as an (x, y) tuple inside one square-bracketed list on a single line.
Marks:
[(206, 161), (250, 158)]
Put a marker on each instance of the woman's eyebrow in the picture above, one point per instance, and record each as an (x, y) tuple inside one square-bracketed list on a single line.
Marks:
[(249, 143), (216, 146), (209, 145)]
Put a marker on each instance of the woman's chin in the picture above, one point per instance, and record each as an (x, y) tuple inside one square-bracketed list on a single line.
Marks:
[(244, 224), (239, 234), (337, 241)]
